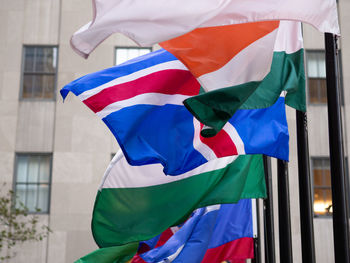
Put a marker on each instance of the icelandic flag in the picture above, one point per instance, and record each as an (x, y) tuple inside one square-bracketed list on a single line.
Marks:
[(141, 101), (212, 234)]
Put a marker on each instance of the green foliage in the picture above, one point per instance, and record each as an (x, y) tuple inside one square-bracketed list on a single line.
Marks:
[(17, 225)]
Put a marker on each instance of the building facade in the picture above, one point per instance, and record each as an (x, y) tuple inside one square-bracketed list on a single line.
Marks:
[(53, 154)]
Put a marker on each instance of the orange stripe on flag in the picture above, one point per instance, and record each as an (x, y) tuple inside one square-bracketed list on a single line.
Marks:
[(208, 49)]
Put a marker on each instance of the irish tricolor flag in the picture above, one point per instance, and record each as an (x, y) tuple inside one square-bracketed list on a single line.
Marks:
[(233, 65), (136, 203)]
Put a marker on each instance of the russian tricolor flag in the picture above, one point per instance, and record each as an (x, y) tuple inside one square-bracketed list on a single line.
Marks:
[(212, 234), (141, 101)]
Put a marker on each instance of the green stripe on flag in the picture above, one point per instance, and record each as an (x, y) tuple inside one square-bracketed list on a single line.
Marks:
[(216, 107), (115, 254), (123, 215), (291, 79)]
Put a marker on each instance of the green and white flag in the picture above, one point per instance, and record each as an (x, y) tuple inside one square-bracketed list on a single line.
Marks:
[(136, 203)]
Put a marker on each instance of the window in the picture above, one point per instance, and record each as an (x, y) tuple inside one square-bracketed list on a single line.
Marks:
[(33, 181), (316, 72), (322, 186), (39, 72), (123, 54)]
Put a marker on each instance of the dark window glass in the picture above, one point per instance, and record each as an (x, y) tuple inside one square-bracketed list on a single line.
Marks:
[(316, 73), (39, 72)]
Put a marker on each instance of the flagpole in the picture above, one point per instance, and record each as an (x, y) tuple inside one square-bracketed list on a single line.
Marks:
[(305, 197), (339, 196), (284, 213), (256, 258), (269, 234), (257, 238)]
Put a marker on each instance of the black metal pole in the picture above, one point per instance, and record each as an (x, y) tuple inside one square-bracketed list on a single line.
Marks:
[(257, 239), (284, 213), (339, 196), (305, 197), (269, 234), (256, 258)]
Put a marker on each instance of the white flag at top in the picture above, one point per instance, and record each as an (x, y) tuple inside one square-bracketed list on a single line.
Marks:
[(152, 21)]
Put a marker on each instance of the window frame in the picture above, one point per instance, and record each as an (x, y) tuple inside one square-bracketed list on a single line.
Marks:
[(38, 73), (128, 47), (346, 167), (319, 187), (14, 181), (340, 72), (308, 51), (341, 81)]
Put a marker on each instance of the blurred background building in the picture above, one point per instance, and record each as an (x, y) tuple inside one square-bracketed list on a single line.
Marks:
[(54, 155)]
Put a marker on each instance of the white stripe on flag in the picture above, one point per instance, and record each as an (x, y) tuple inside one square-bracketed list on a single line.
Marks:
[(173, 256), (146, 99), (174, 229), (289, 37), (117, 157), (201, 147), (120, 174), (174, 64), (232, 132), (251, 64), (211, 208)]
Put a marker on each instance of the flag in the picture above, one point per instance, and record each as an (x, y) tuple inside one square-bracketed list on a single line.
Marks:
[(234, 68), (113, 254), (151, 21), (141, 102), (136, 203), (211, 235)]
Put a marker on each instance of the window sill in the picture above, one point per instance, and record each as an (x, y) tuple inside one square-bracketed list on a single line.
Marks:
[(36, 100)]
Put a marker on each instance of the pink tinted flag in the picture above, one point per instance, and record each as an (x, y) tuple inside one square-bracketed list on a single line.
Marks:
[(152, 21)]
